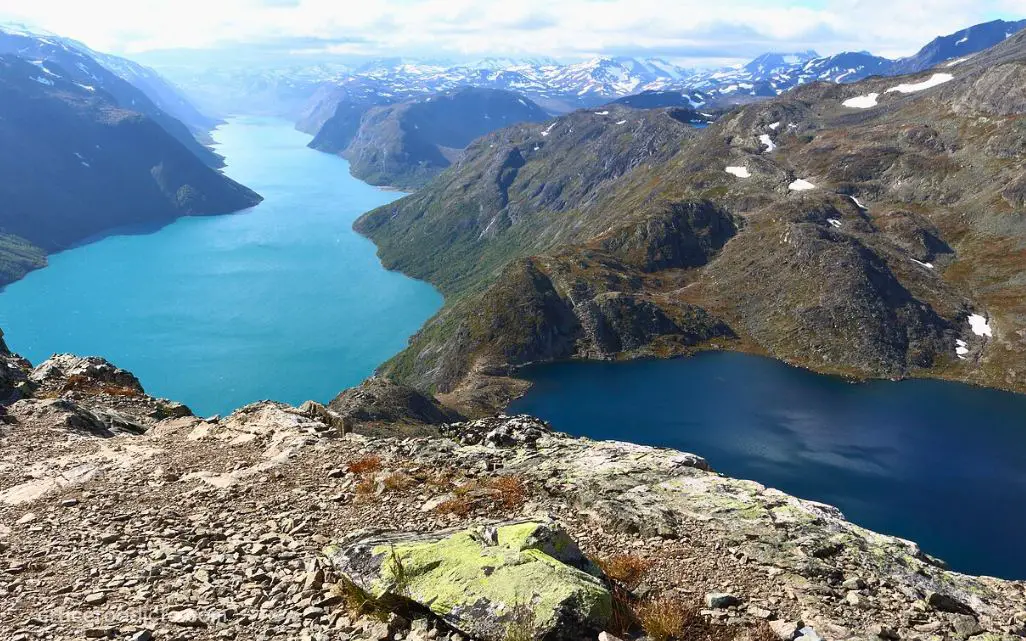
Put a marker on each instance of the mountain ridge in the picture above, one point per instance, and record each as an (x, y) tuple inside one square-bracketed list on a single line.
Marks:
[(562, 88)]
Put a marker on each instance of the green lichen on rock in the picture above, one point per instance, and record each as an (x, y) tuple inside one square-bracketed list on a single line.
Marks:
[(477, 579)]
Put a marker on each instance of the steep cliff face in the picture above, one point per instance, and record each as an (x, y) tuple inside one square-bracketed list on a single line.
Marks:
[(406, 144), (853, 229), (74, 164)]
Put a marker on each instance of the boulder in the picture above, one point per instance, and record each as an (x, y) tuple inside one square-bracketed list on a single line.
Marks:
[(482, 581), (947, 603), (331, 418), (68, 415), (720, 600)]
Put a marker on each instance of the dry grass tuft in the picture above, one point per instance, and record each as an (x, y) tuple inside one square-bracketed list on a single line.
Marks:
[(370, 463), (623, 620), (512, 491), (356, 602), (460, 506), (366, 486), (398, 481), (80, 383), (628, 569), (506, 493), (666, 618)]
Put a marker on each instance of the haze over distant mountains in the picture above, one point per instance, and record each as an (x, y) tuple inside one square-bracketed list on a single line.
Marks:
[(559, 87)]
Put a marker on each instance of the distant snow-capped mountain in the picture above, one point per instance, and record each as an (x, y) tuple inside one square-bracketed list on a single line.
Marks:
[(768, 63), (252, 90), (564, 87), (310, 93), (774, 73), (556, 87), (959, 45), (560, 88)]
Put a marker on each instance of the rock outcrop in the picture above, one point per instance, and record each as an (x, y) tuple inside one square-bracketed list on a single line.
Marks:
[(14, 372), (64, 371), (272, 521), (379, 400)]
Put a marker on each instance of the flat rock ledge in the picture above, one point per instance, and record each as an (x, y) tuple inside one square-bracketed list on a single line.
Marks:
[(244, 527)]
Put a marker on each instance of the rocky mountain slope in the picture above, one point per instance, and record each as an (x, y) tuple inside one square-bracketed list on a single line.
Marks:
[(167, 97), (131, 86), (73, 164), (344, 103), (868, 230), (124, 516), (655, 99), (406, 144)]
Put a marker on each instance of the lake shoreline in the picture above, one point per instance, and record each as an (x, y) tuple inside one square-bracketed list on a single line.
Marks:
[(213, 295)]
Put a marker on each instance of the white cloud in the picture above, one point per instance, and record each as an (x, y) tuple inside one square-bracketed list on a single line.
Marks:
[(694, 29)]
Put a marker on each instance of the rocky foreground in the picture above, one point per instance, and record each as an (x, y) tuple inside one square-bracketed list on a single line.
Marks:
[(124, 516)]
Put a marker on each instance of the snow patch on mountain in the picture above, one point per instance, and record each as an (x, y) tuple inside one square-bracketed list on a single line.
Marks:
[(980, 326), (861, 102), (932, 81)]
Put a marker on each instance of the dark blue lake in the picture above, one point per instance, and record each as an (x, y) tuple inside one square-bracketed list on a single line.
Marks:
[(281, 301), (939, 463)]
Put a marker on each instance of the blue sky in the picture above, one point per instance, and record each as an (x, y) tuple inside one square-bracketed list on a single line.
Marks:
[(696, 32)]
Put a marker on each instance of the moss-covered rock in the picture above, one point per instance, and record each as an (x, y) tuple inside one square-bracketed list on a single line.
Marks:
[(483, 581)]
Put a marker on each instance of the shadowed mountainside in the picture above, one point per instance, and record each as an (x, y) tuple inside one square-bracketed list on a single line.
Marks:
[(75, 164), (406, 144)]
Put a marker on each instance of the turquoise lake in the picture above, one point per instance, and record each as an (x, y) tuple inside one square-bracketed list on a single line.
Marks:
[(281, 301), (939, 463), (285, 301)]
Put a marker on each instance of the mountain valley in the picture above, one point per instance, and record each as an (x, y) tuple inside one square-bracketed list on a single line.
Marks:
[(753, 239)]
